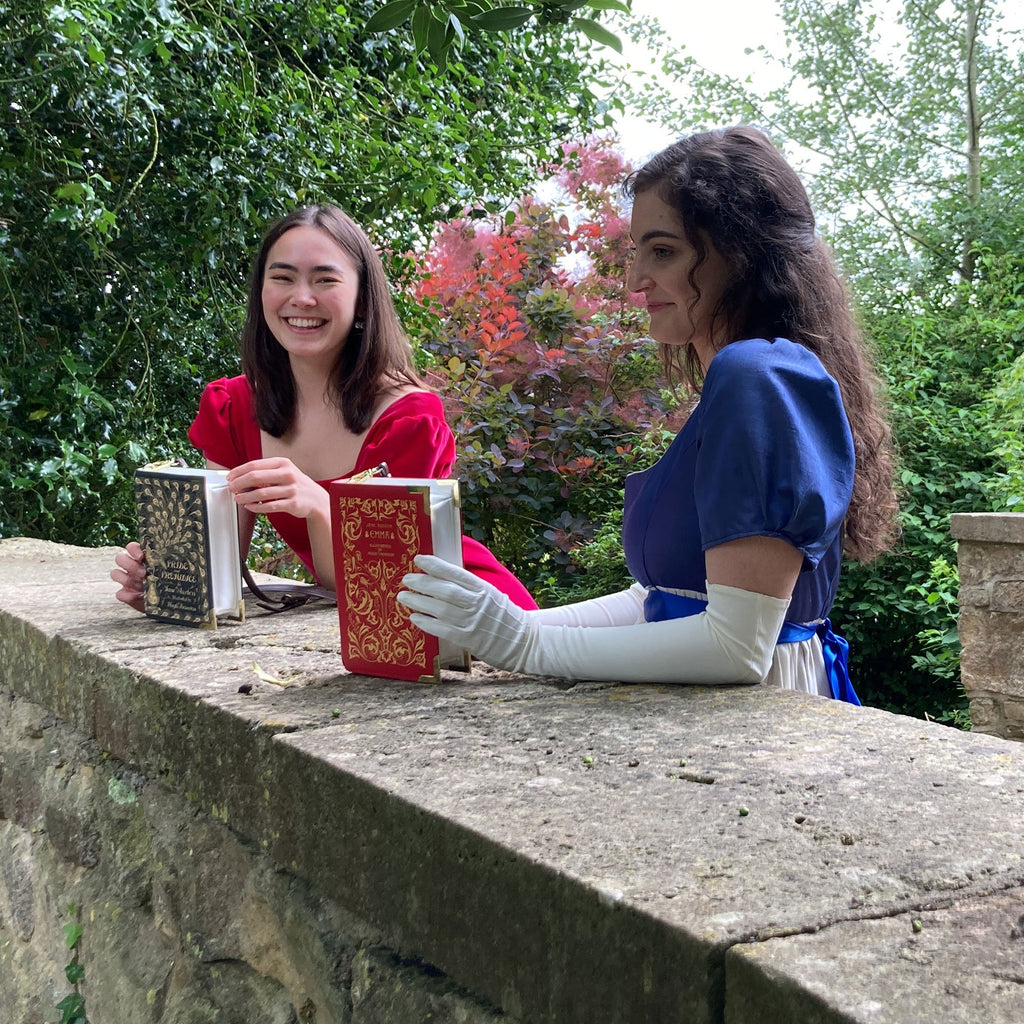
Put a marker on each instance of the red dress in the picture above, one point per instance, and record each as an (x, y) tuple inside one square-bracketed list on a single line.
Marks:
[(411, 436)]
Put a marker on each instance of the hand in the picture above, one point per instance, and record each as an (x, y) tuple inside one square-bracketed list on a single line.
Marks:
[(131, 575), (277, 485), (453, 604)]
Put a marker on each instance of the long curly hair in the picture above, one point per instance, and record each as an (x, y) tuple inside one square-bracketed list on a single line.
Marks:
[(733, 189), (375, 356)]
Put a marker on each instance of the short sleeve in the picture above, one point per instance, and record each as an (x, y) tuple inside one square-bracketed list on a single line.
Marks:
[(217, 430), (775, 454), (412, 437)]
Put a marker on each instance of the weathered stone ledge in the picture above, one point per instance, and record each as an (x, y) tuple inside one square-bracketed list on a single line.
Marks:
[(559, 853), (988, 527)]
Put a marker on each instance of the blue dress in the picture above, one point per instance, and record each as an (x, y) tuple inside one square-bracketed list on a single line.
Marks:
[(767, 452)]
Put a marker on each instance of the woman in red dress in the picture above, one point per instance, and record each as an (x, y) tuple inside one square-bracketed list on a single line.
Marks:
[(328, 390)]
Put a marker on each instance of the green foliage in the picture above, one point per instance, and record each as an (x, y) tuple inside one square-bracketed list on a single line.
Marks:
[(143, 150), (940, 368), (440, 26), (1008, 408), (1004, 291), (599, 564)]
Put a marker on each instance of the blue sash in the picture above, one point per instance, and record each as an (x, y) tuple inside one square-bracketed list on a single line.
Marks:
[(661, 605)]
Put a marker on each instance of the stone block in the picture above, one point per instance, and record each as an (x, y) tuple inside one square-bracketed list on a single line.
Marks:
[(1008, 596), (21, 794), (971, 597), (978, 564), (983, 710), (903, 969), (17, 882), (1013, 709), (75, 838), (387, 991), (988, 527)]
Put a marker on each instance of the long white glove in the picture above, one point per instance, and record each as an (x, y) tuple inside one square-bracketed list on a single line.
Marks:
[(624, 608), (733, 641)]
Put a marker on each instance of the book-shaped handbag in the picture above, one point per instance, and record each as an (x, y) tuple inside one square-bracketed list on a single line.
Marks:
[(188, 530), (378, 526)]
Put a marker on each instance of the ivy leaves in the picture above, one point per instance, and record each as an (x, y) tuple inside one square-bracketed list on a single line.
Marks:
[(439, 27)]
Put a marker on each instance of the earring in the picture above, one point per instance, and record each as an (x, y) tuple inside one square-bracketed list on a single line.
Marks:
[(358, 324)]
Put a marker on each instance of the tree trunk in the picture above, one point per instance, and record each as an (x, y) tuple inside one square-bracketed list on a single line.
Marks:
[(969, 257)]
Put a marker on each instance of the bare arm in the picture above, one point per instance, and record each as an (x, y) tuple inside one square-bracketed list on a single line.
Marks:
[(763, 565)]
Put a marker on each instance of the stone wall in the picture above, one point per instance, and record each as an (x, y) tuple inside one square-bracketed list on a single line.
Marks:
[(184, 922), (990, 554), (254, 836)]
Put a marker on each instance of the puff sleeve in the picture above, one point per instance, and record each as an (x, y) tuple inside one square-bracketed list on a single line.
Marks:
[(218, 430), (775, 455)]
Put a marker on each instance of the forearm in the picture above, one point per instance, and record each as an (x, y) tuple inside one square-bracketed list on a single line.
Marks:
[(322, 545), (621, 609), (732, 642)]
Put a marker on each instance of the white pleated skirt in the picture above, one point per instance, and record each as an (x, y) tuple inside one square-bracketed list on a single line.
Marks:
[(800, 666)]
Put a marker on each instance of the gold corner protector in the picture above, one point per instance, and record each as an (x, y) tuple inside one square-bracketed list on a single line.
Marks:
[(436, 677)]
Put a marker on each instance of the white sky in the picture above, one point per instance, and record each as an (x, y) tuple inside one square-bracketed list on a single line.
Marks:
[(715, 35)]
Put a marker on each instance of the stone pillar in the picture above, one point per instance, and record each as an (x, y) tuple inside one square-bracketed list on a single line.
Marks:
[(991, 561)]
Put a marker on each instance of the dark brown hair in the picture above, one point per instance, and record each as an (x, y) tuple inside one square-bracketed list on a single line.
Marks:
[(374, 356), (734, 190)]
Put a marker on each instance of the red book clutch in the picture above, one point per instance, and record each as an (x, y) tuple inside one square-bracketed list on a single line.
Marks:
[(378, 526)]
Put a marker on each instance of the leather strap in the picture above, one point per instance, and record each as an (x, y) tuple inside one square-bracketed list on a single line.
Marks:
[(280, 597)]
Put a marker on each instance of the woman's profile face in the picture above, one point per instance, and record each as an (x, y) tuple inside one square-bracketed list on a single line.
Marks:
[(661, 270), (310, 295)]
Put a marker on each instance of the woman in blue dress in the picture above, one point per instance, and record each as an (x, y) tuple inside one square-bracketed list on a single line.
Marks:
[(735, 537)]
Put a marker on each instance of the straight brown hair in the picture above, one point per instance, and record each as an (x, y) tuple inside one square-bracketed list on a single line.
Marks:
[(375, 356)]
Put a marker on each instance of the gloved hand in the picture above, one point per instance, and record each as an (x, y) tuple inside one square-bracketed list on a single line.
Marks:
[(732, 642), (453, 604)]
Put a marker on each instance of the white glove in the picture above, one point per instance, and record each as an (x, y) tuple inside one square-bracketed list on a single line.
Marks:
[(624, 608), (733, 641)]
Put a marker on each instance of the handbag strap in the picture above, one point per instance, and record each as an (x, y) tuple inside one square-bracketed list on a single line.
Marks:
[(280, 597)]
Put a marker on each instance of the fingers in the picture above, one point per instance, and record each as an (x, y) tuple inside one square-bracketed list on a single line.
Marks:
[(131, 564), (435, 627), (437, 607), (440, 591), (130, 576), (130, 571), (442, 570), (131, 598), (274, 485), (261, 474)]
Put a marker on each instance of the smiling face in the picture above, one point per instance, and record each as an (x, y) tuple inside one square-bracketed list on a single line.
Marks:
[(310, 295), (680, 295)]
